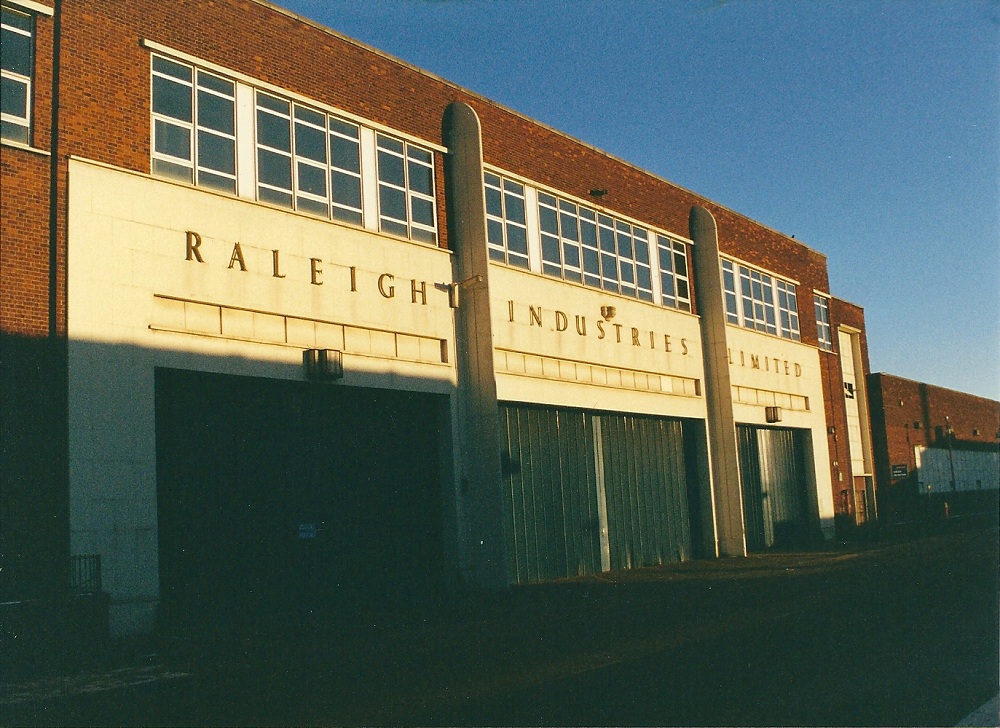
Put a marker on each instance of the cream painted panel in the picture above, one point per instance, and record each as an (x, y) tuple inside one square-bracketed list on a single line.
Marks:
[(302, 333), (329, 336), (852, 401), (772, 364), (408, 347), (396, 285), (136, 302), (572, 327), (776, 367), (575, 345), (611, 398), (320, 271)]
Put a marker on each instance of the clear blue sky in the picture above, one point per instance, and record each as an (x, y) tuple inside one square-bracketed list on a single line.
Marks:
[(868, 130)]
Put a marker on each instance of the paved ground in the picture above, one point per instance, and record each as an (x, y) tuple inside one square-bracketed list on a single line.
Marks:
[(899, 633)]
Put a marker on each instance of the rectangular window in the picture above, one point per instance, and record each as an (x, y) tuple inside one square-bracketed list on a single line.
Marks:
[(308, 160), (406, 190), (823, 333), (274, 150), (548, 224), (345, 170), (16, 64), (675, 290), (194, 125), (506, 227), (589, 245), (788, 310), (757, 295), (757, 300), (583, 246), (729, 291)]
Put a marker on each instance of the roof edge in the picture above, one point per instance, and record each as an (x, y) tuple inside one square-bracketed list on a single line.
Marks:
[(484, 99)]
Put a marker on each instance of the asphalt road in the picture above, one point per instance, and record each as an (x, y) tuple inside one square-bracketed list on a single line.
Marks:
[(902, 633)]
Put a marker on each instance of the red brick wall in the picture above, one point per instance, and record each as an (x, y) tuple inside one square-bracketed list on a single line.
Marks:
[(107, 90), (525, 148), (24, 254), (915, 413), (106, 72), (104, 115), (842, 313), (24, 208), (104, 88), (34, 537)]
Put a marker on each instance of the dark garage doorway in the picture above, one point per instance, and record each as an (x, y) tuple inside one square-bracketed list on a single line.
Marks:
[(774, 474), (279, 497)]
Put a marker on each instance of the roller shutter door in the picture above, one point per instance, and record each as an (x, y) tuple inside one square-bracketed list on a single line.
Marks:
[(591, 491)]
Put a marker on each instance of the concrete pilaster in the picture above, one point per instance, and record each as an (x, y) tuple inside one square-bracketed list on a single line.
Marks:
[(482, 546), (727, 494)]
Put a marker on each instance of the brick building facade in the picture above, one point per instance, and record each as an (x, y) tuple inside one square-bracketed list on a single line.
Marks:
[(243, 252), (933, 446)]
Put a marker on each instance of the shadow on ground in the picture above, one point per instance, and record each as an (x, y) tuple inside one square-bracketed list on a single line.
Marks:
[(880, 633)]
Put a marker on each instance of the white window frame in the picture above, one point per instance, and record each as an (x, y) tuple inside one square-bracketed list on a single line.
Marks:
[(498, 234), (264, 188), (300, 199), (413, 230), (763, 301), (669, 252), (756, 295), (11, 76), (333, 169), (788, 310), (246, 180), (193, 129), (616, 272), (824, 330)]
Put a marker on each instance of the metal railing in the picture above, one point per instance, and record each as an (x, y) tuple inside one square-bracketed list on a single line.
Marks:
[(85, 573)]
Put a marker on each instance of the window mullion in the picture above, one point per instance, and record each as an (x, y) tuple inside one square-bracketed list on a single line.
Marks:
[(369, 180), (655, 271), (15, 126), (534, 237), (246, 162)]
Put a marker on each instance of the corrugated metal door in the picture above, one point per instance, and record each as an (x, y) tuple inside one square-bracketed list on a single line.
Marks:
[(646, 487), (758, 535), (553, 528), (590, 492), (772, 468)]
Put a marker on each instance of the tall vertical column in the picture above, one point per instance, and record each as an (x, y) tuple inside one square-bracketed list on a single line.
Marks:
[(728, 496), (482, 549)]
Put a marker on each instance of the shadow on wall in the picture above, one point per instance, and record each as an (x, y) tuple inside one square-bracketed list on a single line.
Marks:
[(270, 492)]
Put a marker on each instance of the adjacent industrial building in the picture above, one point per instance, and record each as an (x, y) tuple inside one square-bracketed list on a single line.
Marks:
[(936, 451), (283, 316)]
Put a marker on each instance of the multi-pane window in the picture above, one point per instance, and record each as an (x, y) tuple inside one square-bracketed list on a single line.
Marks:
[(16, 45), (675, 288), (506, 226), (823, 332), (757, 300), (274, 150), (588, 247), (307, 160), (788, 310), (345, 170), (406, 190), (194, 125), (757, 297), (729, 292), (294, 156)]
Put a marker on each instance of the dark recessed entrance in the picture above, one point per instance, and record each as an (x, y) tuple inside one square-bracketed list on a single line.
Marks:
[(279, 496), (774, 474)]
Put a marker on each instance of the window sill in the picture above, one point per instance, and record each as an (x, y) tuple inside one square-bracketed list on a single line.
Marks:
[(25, 147)]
